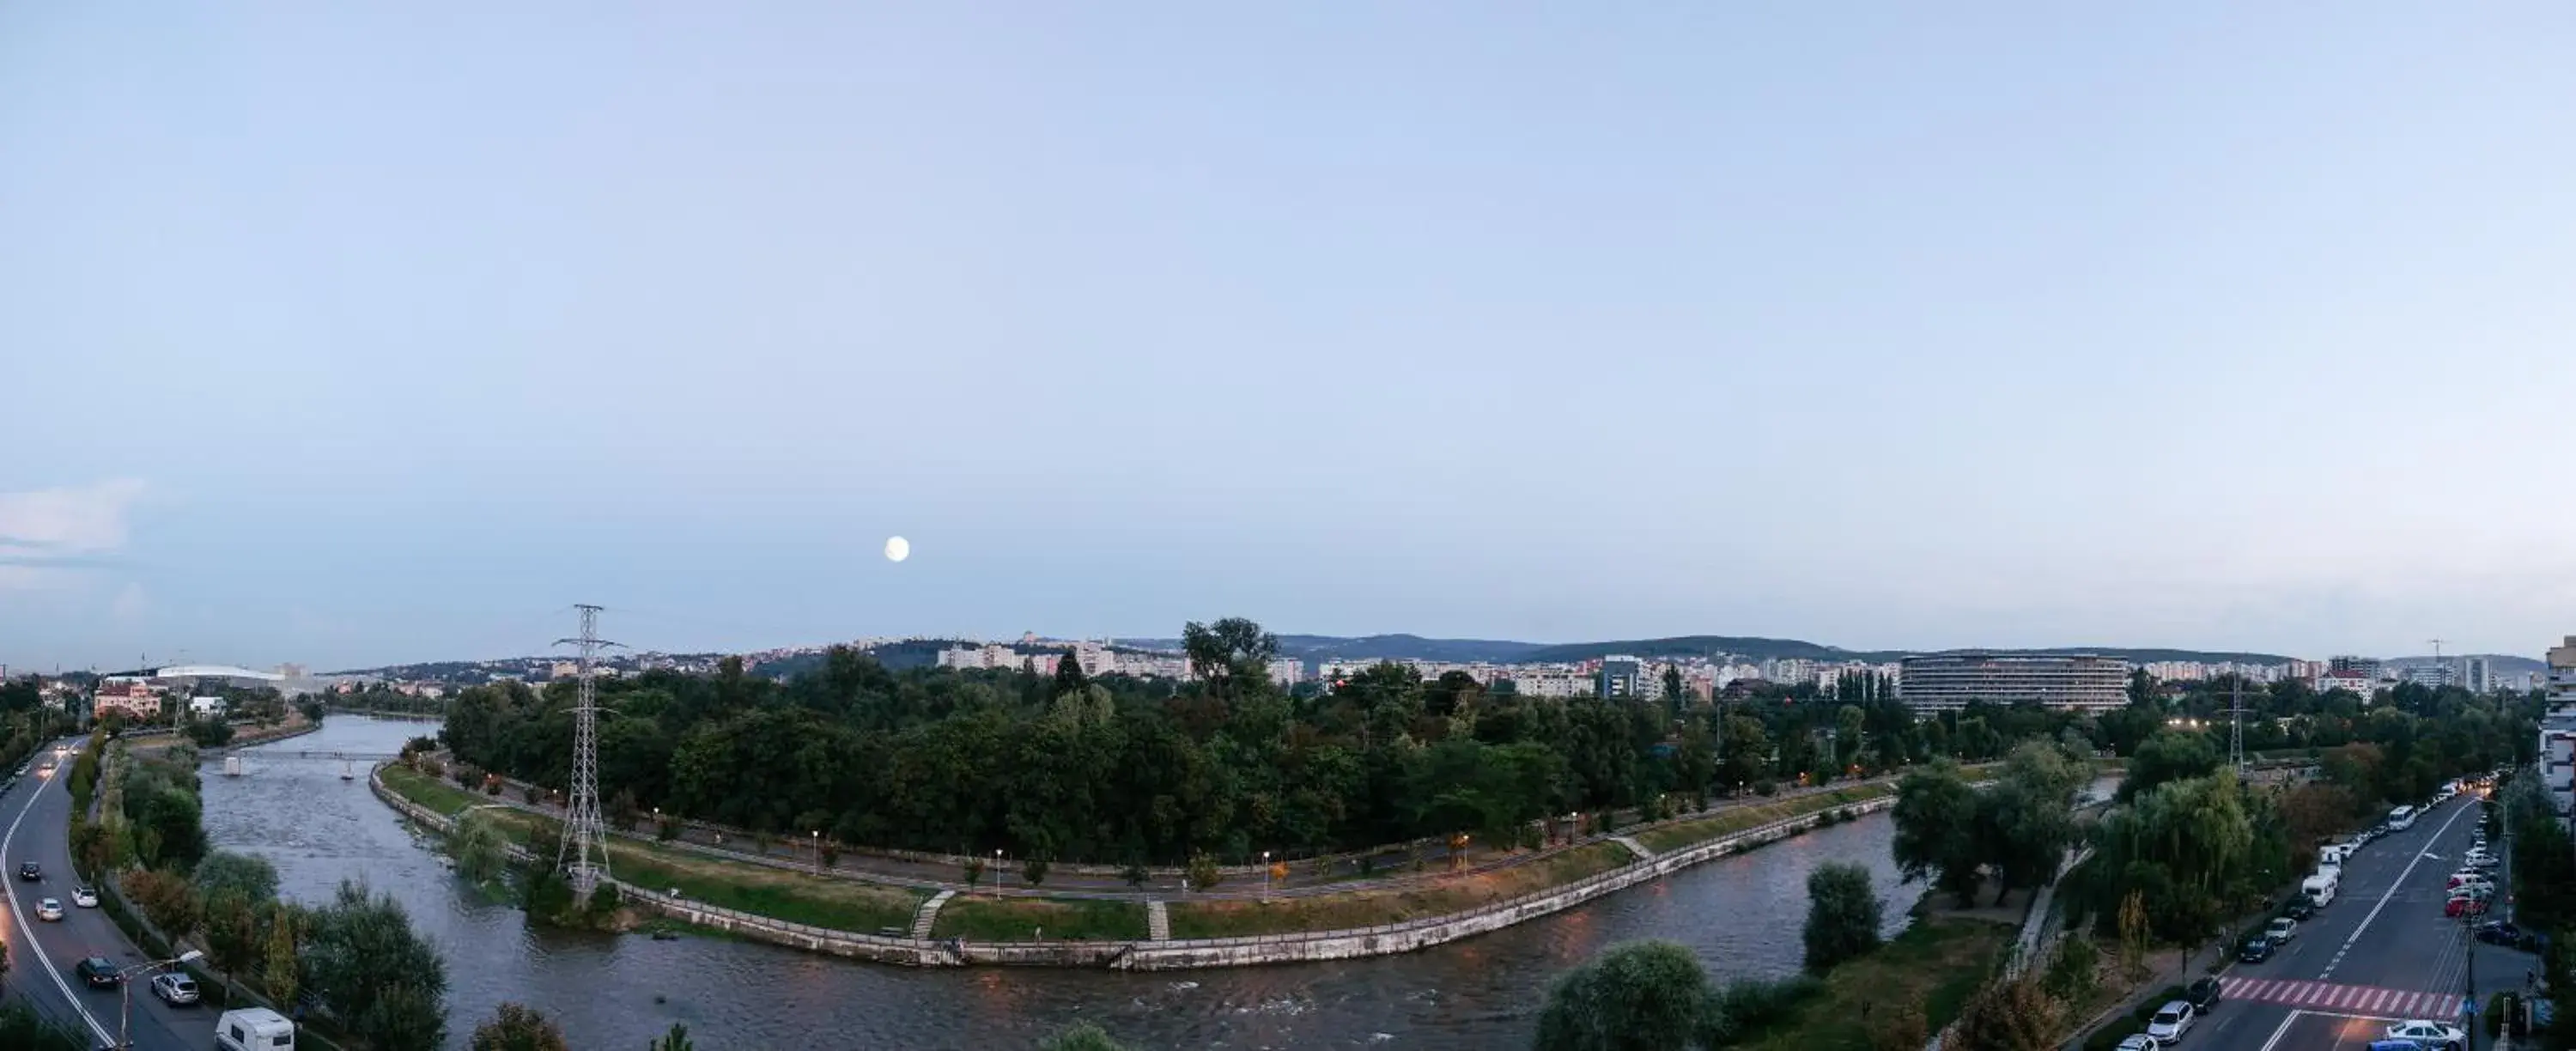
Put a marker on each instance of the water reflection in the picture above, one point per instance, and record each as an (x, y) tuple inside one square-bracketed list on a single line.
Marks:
[(1742, 916)]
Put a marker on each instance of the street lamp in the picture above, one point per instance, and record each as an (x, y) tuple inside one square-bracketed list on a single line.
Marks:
[(1265, 875), (997, 873), (125, 993), (818, 852)]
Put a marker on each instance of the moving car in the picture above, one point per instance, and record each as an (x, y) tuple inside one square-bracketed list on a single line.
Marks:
[(175, 989), (2282, 930), (31, 871), (2170, 1022), (2203, 995), (2428, 1033), (2504, 933), (2257, 949), (49, 909), (85, 897), (97, 971)]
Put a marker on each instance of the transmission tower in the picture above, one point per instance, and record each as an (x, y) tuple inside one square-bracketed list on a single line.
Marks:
[(2236, 725), (584, 853)]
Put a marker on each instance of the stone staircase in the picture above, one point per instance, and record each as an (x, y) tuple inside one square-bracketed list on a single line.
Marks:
[(928, 914), (1634, 847), (1158, 921)]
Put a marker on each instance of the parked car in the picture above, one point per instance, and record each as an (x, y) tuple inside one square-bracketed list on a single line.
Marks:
[(85, 897), (2137, 1042), (2300, 908), (2170, 1022), (174, 988), (2395, 1045), (2257, 949), (2467, 906), (97, 971), (2429, 1033), (2282, 930), (49, 909), (2203, 995), (2504, 933), (31, 871)]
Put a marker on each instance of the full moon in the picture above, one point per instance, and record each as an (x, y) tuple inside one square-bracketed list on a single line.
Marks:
[(897, 549)]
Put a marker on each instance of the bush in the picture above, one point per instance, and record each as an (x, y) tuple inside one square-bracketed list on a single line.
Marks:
[(1765, 788), (1739, 1010), (518, 1028), (1640, 995), (1084, 1036), (1843, 915)]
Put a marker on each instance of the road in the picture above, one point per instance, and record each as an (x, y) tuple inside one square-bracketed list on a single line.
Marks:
[(2382, 952), (35, 823)]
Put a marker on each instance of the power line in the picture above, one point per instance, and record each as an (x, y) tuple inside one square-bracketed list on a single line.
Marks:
[(584, 851)]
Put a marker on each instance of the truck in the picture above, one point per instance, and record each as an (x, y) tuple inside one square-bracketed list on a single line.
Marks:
[(254, 1029), (2321, 887)]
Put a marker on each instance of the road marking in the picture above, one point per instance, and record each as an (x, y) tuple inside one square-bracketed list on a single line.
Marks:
[(2282, 1030), (2418, 859), (27, 930)]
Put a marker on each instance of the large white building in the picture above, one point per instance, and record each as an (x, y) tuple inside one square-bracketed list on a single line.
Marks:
[(1944, 682), (2558, 727)]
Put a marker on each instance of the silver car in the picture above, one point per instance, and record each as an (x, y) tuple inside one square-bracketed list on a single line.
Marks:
[(175, 988), (2170, 1023)]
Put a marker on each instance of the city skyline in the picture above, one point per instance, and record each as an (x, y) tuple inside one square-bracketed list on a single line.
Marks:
[(374, 335)]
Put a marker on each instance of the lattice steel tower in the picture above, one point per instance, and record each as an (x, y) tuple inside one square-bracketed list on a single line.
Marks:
[(584, 853)]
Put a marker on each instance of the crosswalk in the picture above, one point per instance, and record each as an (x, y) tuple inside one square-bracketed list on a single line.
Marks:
[(2351, 999)]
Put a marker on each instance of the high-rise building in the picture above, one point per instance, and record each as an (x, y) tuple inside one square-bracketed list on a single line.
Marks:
[(1950, 681), (2478, 674), (2347, 666), (2436, 675), (2558, 727), (1622, 678)]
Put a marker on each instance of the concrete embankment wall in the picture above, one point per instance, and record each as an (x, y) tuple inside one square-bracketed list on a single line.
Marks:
[(1180, 955)]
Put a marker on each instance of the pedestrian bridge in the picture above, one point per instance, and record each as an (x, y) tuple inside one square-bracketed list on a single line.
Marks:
[(270, 754)]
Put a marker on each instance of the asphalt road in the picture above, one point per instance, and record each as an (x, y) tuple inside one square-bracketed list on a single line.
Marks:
[(35, 822), (2382, 952)]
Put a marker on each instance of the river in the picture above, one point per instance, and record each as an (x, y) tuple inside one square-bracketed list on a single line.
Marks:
[(1741, 914)]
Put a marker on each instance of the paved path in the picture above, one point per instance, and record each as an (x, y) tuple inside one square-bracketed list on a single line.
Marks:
[(929, 913), (1634, 847)]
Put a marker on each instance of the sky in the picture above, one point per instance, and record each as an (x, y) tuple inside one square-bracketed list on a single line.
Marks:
[(351, 334)]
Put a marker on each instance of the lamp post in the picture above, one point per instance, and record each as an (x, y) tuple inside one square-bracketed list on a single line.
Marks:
[(997, 873), (125, 993), (818, 852), (1265, 875)]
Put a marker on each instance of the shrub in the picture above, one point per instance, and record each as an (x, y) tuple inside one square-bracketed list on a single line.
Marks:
[(1766, 788), (1740, 1009)]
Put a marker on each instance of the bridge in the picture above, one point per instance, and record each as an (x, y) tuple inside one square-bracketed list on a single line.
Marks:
[(268, 754)]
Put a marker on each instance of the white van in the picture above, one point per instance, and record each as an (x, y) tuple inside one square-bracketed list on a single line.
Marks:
[(2332, 857), (254, 1029), (2320, 888), (2401, 819)]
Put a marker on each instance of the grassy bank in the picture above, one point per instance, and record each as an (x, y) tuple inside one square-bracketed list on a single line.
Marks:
[(1939, 962), (779, 894), (1675, 836), (1368, 908), (1027, 919)]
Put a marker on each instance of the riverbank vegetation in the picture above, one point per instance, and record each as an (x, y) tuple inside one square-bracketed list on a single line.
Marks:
[(1034, 919), (1122, 770)]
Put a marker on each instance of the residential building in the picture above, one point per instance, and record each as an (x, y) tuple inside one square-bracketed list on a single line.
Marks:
[(1950, 681), (1554, 684), (1286, 671), (2558, 727), (206, 707), (137, 701), (2347, 665), (2436, 675), (2362, 686), (2478, 674), (1094, 659)]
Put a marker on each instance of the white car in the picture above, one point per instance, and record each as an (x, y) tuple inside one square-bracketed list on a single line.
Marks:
[(2137, 1042), (2282, 930), (49, 909), (85, 897), (174, 988), (2428, 1033), (2170, 1023)]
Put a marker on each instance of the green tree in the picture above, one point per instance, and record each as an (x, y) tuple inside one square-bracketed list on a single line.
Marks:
[(1936, 819), (1068, 675), (372, 972), (481, 849), (281, 974), (1203, 872), (166, 900), (233, 942), (2010, 1015), (2168, 756), (1641, 996), (675, 1040), (1843, 915), (249, 875), (1083, 1036), (517, 1027)]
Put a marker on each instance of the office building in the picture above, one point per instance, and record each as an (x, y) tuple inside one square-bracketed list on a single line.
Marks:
[(1944, 682), (1621, 678)]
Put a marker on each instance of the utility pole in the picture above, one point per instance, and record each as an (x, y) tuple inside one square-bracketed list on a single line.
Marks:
[(583, 855), (2236, 729)]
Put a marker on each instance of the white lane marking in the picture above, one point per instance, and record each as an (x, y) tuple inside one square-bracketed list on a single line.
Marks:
[(2282, 1031), (2418, 859), (17, 917)]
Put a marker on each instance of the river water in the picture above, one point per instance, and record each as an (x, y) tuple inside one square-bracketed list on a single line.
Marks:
[(1741, 914)]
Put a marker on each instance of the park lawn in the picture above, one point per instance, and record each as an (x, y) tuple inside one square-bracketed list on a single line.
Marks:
[(1667, 838), (444, 798), (1369, 908), (1027, 919), (779, 894), (1938, 962)]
